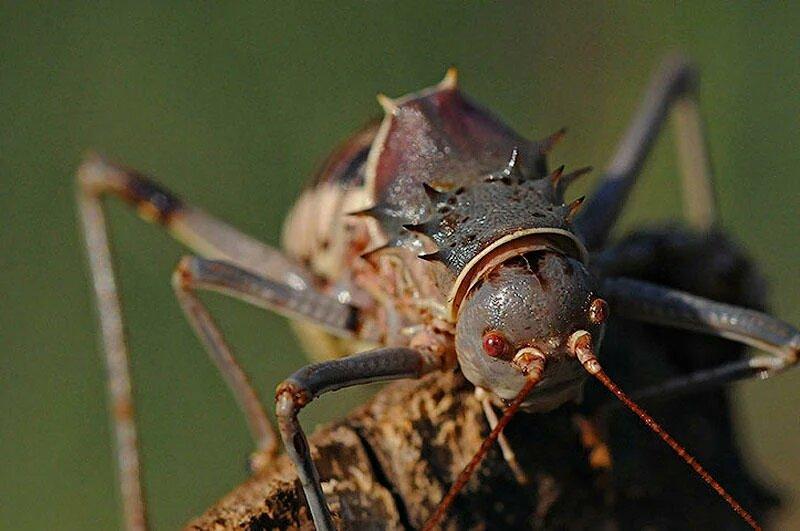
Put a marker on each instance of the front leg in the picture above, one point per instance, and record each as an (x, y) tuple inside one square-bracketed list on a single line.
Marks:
[(643, 301), (314, 380)]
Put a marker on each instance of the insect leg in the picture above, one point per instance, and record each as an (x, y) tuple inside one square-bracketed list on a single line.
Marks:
[(115, 349), (674, 87), (97, 178), (697, 180), (705, 379), (229, 279), (314, 380), (195, 273), (199, 231), (643, 301)]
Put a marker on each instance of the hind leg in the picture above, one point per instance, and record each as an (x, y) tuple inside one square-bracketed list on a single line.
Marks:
[(197, 230), (651, 303), (673, 88)]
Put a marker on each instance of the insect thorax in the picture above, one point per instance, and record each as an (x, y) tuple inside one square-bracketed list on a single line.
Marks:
[(405, 214)]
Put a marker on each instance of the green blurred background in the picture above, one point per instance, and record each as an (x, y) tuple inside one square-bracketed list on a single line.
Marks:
[(233, 106)]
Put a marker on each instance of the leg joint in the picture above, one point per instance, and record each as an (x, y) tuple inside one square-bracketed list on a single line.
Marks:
[(290, 396), (97, 176), (681, 75), (184, 274)]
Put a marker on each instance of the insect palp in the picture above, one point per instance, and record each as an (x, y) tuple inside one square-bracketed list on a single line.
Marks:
[(535, 371)]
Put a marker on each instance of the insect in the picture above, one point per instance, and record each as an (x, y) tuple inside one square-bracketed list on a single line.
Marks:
[(438, 238)]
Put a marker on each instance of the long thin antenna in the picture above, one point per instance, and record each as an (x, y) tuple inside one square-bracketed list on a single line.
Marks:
[(534, 374), (582, 349)]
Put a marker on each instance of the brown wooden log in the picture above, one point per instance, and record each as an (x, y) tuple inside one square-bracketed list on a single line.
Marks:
[(389, 463)]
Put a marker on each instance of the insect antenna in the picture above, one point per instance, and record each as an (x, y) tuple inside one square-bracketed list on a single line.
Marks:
[(534, 373), (581, 346)]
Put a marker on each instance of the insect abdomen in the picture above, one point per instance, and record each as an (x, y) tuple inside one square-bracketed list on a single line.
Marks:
[(316, 230)]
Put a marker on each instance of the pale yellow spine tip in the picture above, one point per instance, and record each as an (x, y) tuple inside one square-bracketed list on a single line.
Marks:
[(450, 81), (387, 103)]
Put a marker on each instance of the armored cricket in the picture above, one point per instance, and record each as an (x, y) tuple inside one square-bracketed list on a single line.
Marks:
[(435, 240)]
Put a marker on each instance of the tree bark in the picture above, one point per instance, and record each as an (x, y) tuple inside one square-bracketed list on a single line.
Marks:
[(389, 463)]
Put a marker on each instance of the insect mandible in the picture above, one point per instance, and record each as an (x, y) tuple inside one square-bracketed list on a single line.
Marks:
[(438, 238)]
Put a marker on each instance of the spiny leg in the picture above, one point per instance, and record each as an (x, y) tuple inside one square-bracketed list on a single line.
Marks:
[(674, 87), (314, 380), (97, 178), (643, 301)]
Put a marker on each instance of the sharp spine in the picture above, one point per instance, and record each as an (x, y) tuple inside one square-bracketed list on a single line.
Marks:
[(450, 80), (562, 181), (547, 145), (388, 104), (573, 207), (555, 177)]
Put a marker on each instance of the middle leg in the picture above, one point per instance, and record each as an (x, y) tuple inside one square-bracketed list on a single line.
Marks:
[(194, 273), (643, 301)]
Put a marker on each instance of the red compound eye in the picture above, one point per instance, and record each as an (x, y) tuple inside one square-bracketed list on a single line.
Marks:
[(494, 344)]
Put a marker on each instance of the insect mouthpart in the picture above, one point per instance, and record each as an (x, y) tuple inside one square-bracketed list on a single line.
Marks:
[(521, 311)]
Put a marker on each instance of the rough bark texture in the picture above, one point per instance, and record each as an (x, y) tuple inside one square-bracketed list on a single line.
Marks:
[(387, 465)]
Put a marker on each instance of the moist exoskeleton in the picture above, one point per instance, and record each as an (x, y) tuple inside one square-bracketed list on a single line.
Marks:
[(437, 239)]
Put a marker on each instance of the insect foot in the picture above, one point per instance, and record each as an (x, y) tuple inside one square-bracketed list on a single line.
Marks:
[(289, 399)]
